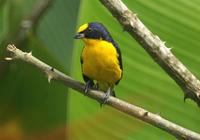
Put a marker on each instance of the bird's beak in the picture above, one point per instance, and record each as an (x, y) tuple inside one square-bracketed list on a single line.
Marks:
[(79, 36)]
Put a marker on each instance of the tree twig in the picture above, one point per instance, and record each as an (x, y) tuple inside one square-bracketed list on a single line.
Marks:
[(31, 21), (25, 26), (116, 103), (155, 48)]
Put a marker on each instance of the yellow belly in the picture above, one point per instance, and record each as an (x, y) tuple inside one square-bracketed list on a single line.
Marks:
[(100, 62)]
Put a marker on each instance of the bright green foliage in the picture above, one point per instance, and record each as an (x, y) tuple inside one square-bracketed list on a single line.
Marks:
[(144, 83)]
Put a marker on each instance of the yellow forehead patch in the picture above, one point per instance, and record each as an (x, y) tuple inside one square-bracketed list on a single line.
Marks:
[(82, 27)]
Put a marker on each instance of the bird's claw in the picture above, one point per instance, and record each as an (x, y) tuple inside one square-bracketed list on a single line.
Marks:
[(106, 97), (88, 86)]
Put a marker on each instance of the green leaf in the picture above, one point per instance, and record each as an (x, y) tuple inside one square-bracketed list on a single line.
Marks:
[(56, 30)]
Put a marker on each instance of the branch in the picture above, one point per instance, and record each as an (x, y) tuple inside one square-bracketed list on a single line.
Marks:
[(132, 110), (156, 49), (31, 21), (26, 25)]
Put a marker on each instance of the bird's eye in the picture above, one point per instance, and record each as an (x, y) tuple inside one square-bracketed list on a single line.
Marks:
[(89, 29)]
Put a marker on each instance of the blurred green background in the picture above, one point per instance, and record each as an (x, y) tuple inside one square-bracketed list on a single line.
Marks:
[(31, 108)]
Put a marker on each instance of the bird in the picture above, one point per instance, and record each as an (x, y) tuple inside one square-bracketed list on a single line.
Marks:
[(101, 60)]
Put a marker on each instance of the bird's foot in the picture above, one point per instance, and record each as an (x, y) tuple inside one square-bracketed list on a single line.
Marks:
[(106, 97), (88, 86)]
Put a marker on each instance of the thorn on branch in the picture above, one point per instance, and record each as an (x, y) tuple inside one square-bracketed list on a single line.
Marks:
[(30, 53), (8, 58), (186, 95), (50, 74), (169, 49), (49, 78), (52, 69), (145, 114)]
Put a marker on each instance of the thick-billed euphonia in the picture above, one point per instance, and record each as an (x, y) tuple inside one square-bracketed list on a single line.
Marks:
[(101, 60)]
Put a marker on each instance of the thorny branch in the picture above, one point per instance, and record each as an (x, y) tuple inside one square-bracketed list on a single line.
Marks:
[(132, 110), (155, 48), (31, 21), (27, 24)]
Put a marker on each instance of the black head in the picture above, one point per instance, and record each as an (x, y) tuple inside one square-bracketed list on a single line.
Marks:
[(93, 30)]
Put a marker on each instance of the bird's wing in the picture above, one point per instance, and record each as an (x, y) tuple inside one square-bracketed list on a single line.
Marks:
[(119, 59)]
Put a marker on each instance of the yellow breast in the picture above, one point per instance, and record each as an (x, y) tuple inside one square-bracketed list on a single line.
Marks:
[(100, 61)]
